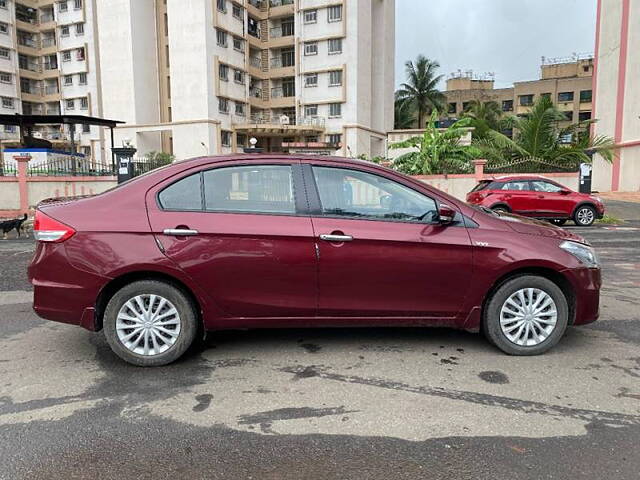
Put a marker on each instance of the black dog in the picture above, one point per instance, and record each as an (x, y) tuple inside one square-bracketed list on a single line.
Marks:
[(15, 224)]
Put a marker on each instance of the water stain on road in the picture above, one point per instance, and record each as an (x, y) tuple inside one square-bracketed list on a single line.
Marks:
[(266, 419), (491, 376), (204, 401)]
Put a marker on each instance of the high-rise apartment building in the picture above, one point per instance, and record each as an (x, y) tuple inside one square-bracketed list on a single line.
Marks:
[(197, 77), (49, 66)]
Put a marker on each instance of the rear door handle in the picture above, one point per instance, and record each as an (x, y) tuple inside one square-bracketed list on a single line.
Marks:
[(180, 232), (336, 238)]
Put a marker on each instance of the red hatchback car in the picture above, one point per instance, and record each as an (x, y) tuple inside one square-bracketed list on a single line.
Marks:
[(262, 241), (538, 197)]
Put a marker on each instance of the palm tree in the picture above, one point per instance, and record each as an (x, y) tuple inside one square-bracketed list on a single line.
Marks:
[(403, 117), (420, 92), (484, 116), (539, 138), (437, 150)]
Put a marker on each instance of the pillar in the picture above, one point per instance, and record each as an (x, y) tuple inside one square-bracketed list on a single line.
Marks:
[(479, 168), (23, 174)]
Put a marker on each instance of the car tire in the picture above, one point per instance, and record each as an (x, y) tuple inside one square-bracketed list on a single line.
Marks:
[(499, 325), (558, 221), (584, 216), (501, 208), (133, 309)]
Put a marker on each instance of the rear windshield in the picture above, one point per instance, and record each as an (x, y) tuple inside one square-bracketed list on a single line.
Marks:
[(486, 184)]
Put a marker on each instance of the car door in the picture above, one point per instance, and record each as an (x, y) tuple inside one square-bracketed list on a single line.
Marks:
[(518, 195), (381, 251), (550, 199), (241, 232)]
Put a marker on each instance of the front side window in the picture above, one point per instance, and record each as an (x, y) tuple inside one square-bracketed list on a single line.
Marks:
[(184, 194), (360, 195), (541, 186), (251, 189)]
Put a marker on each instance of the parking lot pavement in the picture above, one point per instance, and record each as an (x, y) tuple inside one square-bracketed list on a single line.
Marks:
[(292, 404)]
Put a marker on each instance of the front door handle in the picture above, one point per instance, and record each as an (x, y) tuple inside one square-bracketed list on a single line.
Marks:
[(180, 232), (336, 238)]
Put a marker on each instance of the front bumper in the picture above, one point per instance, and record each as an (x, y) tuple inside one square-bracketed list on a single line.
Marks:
[(586, 283)]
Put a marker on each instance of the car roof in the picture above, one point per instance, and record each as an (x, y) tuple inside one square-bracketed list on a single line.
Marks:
[(271, 156), (520, 176)]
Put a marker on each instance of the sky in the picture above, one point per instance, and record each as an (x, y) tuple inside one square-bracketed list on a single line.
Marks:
[(506, 37)]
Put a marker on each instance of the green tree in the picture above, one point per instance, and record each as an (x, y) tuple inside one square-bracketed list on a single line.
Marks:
[(420, 93), (403, 117), (538, 137), (484, 116), (437, 150), (160, 158)]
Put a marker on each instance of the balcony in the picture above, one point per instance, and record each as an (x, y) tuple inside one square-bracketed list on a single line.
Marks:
[(51, 90), (47, 17), (255, 92), (273, 121), (29, 65), (48, 42), (283, 92), (285, 30), (257, 3), (27, 41), (31, 89), (283, 60), (280, 3), (255, 62)]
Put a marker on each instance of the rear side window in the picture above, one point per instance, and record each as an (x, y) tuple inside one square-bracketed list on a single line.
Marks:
[(541, 186), (517, 185), (481, 186), (185, 194), (255, 189)]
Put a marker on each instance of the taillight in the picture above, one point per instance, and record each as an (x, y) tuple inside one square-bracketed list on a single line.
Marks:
[(47, 229)]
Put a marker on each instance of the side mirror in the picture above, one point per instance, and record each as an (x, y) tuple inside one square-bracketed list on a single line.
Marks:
[(446, 214), (564, 191)]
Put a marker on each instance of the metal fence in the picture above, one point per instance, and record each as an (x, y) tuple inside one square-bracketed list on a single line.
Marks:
[(531, 166), (70, 167)]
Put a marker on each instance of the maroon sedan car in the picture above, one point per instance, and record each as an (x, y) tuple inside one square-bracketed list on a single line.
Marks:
[(537, 197), (263, 241)]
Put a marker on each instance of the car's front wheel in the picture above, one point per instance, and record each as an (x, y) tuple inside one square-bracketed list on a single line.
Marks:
[(559, 221), (150, 323), (526, 315), (584, 216)]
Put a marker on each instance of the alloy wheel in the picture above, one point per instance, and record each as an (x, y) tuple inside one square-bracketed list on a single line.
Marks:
[(148, 324), (528, 317), (585, 216)]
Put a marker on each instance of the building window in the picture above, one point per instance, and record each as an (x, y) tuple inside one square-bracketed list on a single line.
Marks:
[(83, 79), (310, 110), (223, 105), (77, 4), (335, 46), (80, 54), (465, 106), (311, 80), (68, 80), (7, 102), (5, 53), (10, 128), (335, 78), (222, 5), (240, 109), (223, 72), (221, 37), (79, 28), (6, 77), (241, 139), (86, 129), (3, 3), (335, 109), (507, 105), (310, 16), (568, 114), (64, 31), (63, 6), (226, 138), (335, 138), (311, 48), (565, 97), (238, 76), (334, 14), (4, 28), (84, 103), (585, 96), (238, 44), (70, 104), (452, 107), (526, 100), (237, 11), (584, 116), (66, 56)]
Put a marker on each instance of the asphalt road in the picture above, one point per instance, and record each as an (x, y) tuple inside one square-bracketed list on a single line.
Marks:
[(325, 404)]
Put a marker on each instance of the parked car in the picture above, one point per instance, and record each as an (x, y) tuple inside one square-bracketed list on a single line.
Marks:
[(265, 241), (537, 197)]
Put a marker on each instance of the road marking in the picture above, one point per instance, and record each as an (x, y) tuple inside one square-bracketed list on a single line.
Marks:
[(15, 297)]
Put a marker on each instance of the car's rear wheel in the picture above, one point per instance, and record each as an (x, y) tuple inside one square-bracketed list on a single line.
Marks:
[(584, 216), (150, 323), (526, 315), (501, 209)]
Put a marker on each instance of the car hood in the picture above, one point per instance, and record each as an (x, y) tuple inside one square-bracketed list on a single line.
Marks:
[(530, 226)]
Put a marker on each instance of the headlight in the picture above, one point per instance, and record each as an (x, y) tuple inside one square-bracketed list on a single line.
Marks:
[(584, 253)]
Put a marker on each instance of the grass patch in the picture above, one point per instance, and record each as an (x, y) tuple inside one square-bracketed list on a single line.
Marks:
[(610, 220)]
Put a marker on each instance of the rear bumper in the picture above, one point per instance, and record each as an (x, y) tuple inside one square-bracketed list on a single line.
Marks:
[(62, 292), (586, 284)]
